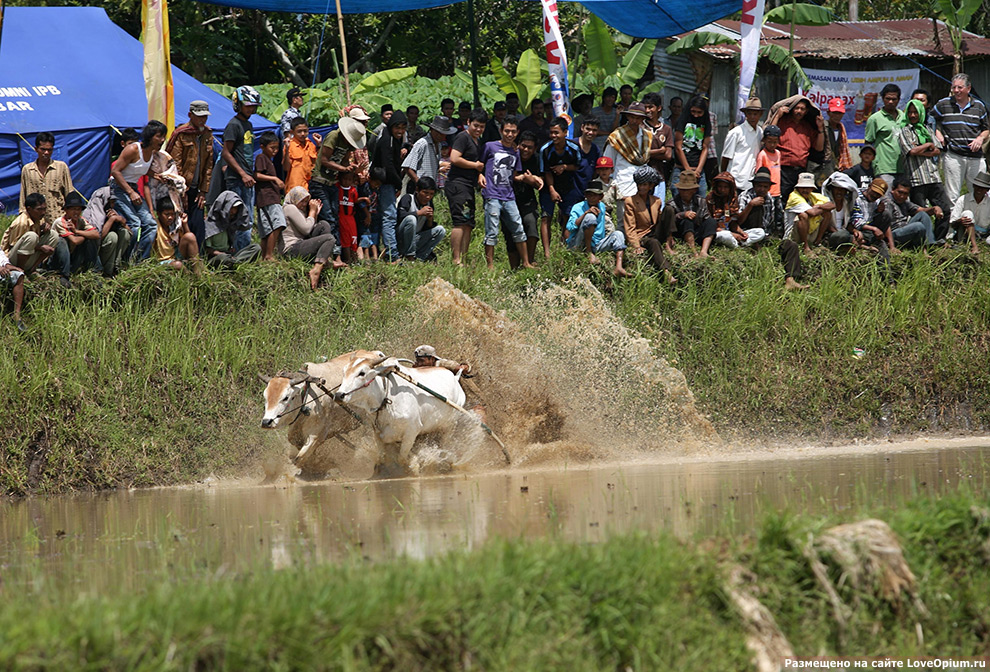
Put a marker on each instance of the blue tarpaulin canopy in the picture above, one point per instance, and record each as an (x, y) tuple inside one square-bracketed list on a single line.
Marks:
[(79, 86), (638, 18)]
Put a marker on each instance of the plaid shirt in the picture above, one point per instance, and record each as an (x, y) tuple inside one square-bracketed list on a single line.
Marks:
[(772, 212), (920, 169)]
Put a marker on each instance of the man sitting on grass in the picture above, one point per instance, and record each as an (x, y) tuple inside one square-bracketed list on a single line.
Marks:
[(418, 234), (29, 240), (686, 216), (586, 228), (809, 213), (13, 276), (971, 212), (227, 217), (78, 242)]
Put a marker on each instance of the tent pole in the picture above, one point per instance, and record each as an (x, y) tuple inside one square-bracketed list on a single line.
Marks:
[(343, 50), (2, 4), (474, 52)]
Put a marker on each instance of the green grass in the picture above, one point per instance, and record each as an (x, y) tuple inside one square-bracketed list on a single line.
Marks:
[(151, 378), (633, 602)]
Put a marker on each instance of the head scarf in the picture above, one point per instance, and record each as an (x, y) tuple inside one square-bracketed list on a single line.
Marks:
[(296, 196), (646, 175), (923, 132)]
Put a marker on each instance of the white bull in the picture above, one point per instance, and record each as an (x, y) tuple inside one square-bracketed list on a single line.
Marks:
[(400, 410), (300, 401)]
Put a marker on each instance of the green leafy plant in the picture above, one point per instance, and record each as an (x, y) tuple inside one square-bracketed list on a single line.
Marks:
[(956, 19), (800, 13), (528, 82)]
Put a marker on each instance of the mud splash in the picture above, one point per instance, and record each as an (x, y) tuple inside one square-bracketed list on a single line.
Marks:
[(562, 378)]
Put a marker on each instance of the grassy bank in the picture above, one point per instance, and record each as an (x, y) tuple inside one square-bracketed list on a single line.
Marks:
[(630, 603), (151, 378)]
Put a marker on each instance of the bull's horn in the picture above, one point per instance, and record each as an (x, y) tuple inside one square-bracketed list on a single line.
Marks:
[(377, 360)]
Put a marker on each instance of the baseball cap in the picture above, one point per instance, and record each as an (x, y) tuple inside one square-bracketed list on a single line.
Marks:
[(836, 105), (604, 162)]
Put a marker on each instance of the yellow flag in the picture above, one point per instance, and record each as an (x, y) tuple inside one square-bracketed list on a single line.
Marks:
[(157, 62)]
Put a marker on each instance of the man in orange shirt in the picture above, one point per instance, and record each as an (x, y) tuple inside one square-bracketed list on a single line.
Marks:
[(298, 155)]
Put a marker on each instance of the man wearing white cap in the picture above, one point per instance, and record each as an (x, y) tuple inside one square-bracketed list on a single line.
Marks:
[(972, 212), (809, 213), (191, 145)]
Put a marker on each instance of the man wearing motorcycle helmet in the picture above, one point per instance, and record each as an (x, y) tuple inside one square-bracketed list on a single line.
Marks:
[(238, 154)]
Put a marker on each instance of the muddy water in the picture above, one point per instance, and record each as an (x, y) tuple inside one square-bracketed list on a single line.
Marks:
[(111, 541)]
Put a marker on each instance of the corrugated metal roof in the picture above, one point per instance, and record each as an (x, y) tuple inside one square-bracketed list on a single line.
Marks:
[(860, 39)]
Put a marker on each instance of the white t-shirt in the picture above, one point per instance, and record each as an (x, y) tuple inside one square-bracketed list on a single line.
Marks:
[(981, 211), (622, 176), (742, 145)]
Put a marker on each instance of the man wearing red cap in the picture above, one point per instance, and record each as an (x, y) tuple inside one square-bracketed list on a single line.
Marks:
[(836, 143)]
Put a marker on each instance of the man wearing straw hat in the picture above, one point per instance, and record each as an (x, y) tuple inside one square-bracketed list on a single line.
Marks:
[(742, 144), (335, 157)]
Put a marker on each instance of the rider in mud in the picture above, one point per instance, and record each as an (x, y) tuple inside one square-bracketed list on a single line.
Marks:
[(426, 355)]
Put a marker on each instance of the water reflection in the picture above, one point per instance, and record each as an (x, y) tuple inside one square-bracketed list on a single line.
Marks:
[(108, 541)]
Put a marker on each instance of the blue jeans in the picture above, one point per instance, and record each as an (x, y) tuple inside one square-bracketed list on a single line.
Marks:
[(67, 261), (918, 231), (497, 211), (139, 218), (242, 238), (702, 184), (386, 203), (413, 242)]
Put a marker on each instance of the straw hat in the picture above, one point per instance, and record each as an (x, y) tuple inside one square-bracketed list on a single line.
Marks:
[(353, 132)]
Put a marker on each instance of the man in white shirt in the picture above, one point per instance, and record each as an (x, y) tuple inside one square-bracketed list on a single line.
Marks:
[(742, 144), (972, 211)]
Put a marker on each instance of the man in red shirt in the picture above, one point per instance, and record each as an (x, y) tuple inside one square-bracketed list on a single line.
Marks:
[(802, 139)]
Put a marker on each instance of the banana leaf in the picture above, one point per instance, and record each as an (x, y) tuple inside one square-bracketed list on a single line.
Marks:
[(379, 79), (694, 41), (601, 48), (960, 16), (805, 14), (787, 63), (529, 77), (636, 61)]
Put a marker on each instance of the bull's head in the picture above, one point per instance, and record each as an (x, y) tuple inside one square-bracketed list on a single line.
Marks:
[(285, 394), (362, 372)]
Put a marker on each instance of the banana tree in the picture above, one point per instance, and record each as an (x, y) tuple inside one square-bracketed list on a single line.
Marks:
[(528, 82), (796, 13), (605, 68), (956, 19)]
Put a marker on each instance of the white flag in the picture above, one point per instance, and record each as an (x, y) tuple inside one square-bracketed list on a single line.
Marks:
[(752, 27)]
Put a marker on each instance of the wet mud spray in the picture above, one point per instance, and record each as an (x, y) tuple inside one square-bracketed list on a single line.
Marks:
[(561, 380)]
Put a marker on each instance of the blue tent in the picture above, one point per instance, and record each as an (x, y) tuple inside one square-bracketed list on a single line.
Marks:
[(80, 87), (638, 18)]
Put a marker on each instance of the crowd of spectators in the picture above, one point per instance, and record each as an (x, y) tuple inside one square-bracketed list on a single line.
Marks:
[(620, 179)]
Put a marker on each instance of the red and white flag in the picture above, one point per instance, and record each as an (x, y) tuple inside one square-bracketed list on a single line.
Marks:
[(752, 27), (556, 61)]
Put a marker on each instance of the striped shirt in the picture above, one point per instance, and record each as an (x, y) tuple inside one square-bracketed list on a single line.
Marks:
[(920, 169), (961, 125)]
